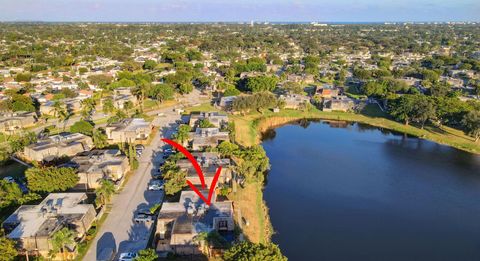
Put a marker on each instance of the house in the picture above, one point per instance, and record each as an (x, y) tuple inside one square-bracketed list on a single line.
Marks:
[(226, 102), (123, 95), (72, 105), (209, 162), (10, 122), (93, 166), (219, 120), (63, 144), (129, 130), (207, 137), (327, 91), (338, 103), (294, 101), (32, 226), (179, 223)]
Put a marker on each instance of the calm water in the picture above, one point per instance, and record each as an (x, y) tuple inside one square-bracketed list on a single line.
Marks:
[(357, 193)]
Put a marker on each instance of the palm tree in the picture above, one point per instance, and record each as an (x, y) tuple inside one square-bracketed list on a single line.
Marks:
[(60, 112), (99, 138), (61, 239), (105, 191), (88, 105)]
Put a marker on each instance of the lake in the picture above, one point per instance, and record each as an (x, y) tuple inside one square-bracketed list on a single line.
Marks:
[(354, 192)]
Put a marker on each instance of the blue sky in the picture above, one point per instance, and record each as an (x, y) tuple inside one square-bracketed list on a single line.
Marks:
[(241, 10)]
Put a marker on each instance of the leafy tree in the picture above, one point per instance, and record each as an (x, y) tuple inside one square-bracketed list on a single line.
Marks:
[(148, 254), (18, 143), (104, 192), (257, 101), (99, 138), (253, 164), (293, 87), (227, 149), (61, 239), (149, 65), (248, 251), (231, 91), (423, 110), (51, 179), (374, 88), (261, 83), (402, 108), (162, 92), (108, 106), (8, 252), (10, 193), (176, 182), (182, 134), (471, 124), (185, 88), (23, 77), (205, 123), (83, 127), (100, 80)]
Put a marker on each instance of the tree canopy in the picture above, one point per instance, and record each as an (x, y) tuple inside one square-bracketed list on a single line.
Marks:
[(51, 179)]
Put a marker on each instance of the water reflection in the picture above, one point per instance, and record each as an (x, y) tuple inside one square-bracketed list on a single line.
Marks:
[(347, 191)]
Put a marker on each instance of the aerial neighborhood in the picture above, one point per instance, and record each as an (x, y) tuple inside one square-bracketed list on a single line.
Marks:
[(83, 114)]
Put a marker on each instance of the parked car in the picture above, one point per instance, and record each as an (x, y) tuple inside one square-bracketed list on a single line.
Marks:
[(155, 185), (161, 114), (128, 256), (141, 218), (9, 179)]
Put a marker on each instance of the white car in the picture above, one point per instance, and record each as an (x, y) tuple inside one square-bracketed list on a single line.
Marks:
[(9, 179), (128, 256), (155, 185)]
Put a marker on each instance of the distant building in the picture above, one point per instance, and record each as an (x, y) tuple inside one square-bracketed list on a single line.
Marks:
[(93, 166), (129, 130), (11, 122), (64, 144), (179, 223), (33, 226), (327, 91)]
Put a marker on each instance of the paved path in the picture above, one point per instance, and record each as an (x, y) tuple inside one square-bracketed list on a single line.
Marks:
[(119, 231)]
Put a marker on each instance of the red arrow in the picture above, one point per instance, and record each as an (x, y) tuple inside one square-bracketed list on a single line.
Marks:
[(189, 157), (199, 172)]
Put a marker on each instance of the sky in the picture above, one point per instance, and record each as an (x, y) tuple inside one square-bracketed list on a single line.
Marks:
[(240, 10)]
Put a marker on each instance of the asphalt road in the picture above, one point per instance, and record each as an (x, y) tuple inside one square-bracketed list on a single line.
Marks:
[(119, 231)]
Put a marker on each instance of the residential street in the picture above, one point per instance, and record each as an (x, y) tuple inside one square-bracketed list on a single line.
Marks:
[(119, 231)]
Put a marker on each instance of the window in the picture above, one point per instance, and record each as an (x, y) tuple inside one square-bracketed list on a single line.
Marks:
[(222, 224)]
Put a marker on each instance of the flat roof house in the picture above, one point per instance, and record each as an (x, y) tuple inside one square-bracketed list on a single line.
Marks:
[(129, 130), (207, 137), (32, 226), (179, 223), (11, 122), (217, 119), (95, 165), (338, 103), (209, 162), (63, 144)]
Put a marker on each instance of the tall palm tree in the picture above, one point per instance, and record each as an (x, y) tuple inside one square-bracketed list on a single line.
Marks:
[(61, 239), (105, 191), (88, 105), (60, 112)]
